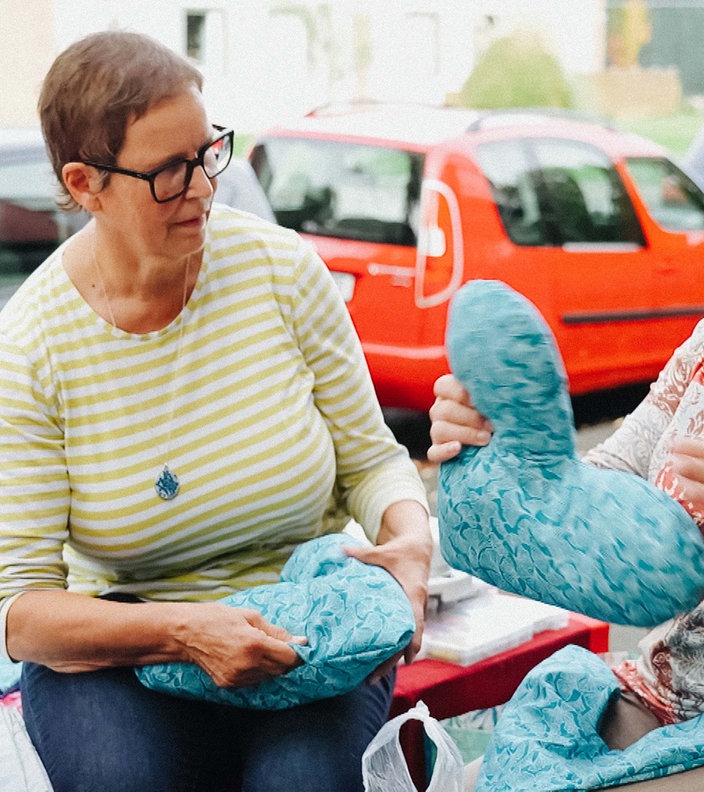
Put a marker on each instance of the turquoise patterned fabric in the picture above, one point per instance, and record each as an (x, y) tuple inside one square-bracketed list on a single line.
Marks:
[(525, 513), (547, 736), (354, 616)]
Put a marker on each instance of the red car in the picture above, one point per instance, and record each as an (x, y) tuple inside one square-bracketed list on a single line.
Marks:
[(600, 229)]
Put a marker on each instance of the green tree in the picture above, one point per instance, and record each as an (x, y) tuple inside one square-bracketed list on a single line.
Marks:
[(516, 71)]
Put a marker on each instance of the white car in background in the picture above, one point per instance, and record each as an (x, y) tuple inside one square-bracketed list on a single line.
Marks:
[(693, 160)]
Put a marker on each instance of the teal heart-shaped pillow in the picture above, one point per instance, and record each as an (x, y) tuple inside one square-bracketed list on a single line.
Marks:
[(354, 615), (525, 513)]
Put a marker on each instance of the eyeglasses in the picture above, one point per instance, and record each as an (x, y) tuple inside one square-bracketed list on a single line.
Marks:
[(170, 181)]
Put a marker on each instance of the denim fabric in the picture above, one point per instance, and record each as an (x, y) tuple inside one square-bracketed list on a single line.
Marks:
[(104, 730)]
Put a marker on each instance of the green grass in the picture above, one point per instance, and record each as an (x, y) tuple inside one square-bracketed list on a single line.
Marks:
[(674, 132), (242, 144)]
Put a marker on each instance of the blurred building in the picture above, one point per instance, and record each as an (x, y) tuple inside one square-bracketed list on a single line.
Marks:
[(675, 40), (265, 60)]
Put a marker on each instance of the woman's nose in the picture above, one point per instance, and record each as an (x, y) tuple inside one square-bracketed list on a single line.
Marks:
[(201, 185)]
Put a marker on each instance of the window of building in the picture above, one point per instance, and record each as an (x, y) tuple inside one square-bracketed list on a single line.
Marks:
[(195, 35)]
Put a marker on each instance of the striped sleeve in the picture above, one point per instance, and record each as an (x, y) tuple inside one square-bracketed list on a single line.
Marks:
[(373, 470), (33, 478)]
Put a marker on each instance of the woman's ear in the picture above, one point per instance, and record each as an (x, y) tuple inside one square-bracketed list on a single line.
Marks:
[(84, 183)]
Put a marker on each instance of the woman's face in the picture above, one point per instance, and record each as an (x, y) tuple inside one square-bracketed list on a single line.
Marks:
[(175, 128)]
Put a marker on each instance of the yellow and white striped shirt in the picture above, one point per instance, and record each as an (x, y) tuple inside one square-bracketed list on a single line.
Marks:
[(261, 403)]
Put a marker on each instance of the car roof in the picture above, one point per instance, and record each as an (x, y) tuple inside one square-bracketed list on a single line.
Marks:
[(422, 126), (18, 142), (414, 124)]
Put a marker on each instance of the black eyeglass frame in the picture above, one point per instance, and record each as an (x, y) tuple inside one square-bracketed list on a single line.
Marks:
[(191, 165)]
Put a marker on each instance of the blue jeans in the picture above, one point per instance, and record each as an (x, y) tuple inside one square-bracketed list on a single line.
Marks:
[(103, 731)]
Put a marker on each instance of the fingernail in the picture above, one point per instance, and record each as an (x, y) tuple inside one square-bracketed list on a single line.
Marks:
[(483, 437)]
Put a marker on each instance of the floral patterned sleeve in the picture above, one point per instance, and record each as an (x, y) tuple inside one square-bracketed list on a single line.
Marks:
[(668, 676), (637, 444)]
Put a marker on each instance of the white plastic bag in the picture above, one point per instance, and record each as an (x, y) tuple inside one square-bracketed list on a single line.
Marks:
[(22, 769), (384, 767)]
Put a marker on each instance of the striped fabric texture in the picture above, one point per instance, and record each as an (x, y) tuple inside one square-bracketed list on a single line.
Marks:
[(261, 403)]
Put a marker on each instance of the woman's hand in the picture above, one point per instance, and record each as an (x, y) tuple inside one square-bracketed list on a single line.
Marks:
[(684, 470), (237, 647), (404, 549), (455, 421), (73, 632)]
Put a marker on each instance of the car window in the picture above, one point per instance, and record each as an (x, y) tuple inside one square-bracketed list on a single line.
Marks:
[(672, 198), (346, 190), (513, 179), (552, 192)]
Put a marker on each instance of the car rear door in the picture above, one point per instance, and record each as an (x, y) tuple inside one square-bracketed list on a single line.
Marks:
[(566, 208), (672, 208)]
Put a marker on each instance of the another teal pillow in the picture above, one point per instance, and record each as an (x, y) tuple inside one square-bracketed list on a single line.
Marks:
[(547, 736), (354, 615), (525, 513)]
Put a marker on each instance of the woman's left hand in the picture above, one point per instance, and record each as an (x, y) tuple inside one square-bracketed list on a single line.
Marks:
[(404, 548), (455, 421)]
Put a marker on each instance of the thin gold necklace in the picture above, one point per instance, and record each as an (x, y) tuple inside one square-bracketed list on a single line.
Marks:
[(166, 484)]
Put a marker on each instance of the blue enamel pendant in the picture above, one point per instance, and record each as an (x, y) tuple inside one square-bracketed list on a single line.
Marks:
[(167, 484)]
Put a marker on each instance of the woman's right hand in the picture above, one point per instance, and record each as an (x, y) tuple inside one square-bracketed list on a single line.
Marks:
[(71, 632), (455, 421), (236, 646)]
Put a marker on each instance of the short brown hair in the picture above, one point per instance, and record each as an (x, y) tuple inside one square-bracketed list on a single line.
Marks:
[(97, 86)]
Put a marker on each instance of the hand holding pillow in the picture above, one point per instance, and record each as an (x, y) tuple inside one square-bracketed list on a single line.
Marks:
[(354, 615), (524, 512)]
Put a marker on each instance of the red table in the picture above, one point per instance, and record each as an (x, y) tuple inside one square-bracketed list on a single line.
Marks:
[(449, 690)]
